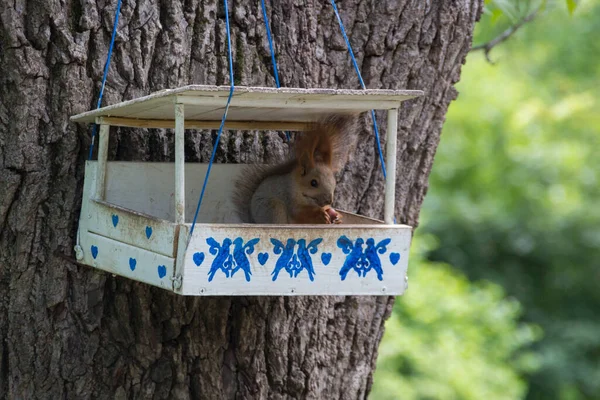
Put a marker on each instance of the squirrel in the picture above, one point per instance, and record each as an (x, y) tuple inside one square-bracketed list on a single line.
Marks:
[(299, 190)]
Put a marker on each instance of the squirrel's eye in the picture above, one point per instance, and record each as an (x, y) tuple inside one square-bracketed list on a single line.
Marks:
[(314, 183)]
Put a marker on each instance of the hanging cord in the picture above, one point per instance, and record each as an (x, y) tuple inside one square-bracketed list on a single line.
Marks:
[(273, 61), (362, 84), (106, 65), (216, 145)]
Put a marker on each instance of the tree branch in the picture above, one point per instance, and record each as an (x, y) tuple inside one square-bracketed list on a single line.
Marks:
[(488, 46)]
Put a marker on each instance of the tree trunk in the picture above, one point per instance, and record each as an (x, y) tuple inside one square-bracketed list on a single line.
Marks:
[(75, 333)]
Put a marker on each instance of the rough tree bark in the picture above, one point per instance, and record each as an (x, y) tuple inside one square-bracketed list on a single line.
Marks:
[(71, 332)]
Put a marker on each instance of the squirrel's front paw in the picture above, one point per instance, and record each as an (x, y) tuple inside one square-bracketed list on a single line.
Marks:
[(332, 216), (325, 215)]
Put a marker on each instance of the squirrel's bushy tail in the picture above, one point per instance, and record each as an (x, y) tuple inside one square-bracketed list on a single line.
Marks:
[(248, 182)]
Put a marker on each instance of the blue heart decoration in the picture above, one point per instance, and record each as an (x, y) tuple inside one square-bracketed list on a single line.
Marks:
[(263, 258), (162, 271), (148, 231), (115, 219), (94, 252), (198, 258), (132, 263), (326, 258), (394, 258)]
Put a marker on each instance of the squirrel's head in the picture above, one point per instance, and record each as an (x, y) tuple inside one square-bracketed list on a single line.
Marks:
[(317, 181), (321, 152)]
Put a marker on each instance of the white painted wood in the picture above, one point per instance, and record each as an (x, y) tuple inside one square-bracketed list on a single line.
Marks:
[(115, 245), (158, 112), (147, 188), (287, 104), (102, 157), (390, 162), (194, 124), (182, 243), (130, 227), (134, 106), (130, 233), (128, 261), (179, 164), (333, 104), (246, 114), (328, 260)]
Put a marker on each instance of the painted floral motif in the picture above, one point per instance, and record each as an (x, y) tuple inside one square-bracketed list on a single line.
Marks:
[(228, 260), (295, 257), (362, 260)]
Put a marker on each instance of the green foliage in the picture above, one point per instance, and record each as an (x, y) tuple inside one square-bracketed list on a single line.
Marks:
[(514, 199), (514, 10), (515, 189), (451, 339), (571, 5)]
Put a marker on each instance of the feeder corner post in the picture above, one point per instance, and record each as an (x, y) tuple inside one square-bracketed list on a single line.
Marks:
[(179, 164), (99, 190), (390, 161)]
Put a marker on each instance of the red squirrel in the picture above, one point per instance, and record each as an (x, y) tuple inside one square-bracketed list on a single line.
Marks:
[(300, 190)]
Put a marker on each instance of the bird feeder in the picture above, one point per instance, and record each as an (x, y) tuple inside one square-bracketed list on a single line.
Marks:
[(136, 216)]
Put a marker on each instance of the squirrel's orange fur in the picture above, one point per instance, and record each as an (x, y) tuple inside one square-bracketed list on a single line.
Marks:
[(299, 190)]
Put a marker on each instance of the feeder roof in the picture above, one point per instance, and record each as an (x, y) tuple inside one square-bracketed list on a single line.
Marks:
[(285, 108)]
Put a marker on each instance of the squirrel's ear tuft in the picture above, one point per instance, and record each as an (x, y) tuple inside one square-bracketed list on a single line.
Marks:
[(305, 162), (323, 157), (329, 141), (322, 145), (303, 170), (305, 150)]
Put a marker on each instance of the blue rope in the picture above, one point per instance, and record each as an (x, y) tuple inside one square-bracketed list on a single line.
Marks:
[(216, 145), (362, 84), (273, 61), (106, 65)]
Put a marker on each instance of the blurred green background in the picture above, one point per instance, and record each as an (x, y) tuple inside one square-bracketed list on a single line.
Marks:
[(504, 280)]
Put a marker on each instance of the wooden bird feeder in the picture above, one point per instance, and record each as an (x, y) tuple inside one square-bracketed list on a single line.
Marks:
[(136, 216)]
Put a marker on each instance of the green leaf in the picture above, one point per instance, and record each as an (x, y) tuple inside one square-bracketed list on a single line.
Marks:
[(496, 14), (571, 6)]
